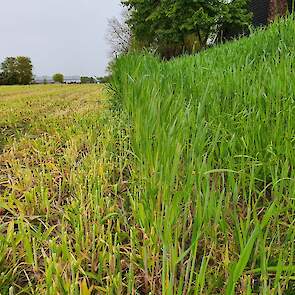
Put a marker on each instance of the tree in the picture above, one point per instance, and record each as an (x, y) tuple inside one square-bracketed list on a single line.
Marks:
[(87, 80), (119, 35), (174, 26), (17, 70), (104, 79), (24, 70), (9, 71), (2, 80), (58, 78)]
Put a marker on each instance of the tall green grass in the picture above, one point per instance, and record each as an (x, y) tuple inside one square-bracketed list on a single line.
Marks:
[(213, 183)]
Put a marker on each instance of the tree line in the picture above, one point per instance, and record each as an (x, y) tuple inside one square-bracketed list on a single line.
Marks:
[(19, 71), (174, 27)]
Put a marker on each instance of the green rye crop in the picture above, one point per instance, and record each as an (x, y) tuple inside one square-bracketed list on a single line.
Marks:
[(214, 138)]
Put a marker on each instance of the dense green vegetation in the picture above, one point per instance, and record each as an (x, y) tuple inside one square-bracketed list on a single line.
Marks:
[(212, 184), (16, 71), (58, 78), (173, 27), (88, 80)]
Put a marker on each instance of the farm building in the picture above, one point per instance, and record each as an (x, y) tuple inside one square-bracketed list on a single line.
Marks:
[(49, 80), (72, 80), (265, 11)]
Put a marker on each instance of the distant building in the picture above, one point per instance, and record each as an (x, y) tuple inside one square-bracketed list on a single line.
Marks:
[(264, 11), (72, 80), (260, 10), (43, 80), (49, 80)]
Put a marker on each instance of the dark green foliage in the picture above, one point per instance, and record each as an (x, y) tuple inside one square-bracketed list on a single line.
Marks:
[(184, 25), (24, 70), (105, 79), (88, 80), (2, 78), (16, 70), (58, 78)]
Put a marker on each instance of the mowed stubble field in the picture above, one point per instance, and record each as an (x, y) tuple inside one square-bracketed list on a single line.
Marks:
[(59, 171)]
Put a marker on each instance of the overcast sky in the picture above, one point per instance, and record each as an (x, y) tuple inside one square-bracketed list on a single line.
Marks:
[(67, 36)]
